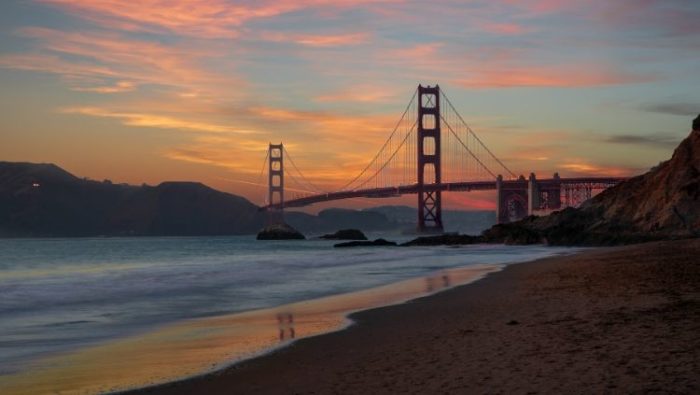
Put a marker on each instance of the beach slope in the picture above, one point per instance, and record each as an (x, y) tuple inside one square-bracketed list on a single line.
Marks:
[(622, 319)]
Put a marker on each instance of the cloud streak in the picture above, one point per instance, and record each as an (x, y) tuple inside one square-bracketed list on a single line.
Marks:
[(154, 120)]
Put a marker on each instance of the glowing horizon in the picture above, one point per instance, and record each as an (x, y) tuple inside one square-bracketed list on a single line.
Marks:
[(145, 92)]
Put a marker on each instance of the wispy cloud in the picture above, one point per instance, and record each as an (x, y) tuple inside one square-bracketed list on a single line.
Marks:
[(585, 168), (110, 63), (119, 87), (154, 120), (568, 76), (199, 18)]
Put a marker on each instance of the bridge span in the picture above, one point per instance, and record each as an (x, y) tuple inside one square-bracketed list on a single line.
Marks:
[(430, 151)]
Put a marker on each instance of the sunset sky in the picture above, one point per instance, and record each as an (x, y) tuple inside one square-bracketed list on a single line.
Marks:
[(154, 90)]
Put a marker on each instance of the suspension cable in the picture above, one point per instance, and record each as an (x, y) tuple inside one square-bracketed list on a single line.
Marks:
[(467, 148), (314, 187), (384, 145), (410, 133), (475, 136)]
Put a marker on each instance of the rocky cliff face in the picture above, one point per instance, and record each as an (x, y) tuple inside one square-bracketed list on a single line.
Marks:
[(660, 204)]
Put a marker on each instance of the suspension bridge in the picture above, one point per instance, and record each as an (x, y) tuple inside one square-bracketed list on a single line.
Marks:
[(432, 150)]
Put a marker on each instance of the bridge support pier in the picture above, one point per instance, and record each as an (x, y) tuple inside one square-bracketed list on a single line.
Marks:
[(429, 169), (275, 153), (500, 216), (533, 195)]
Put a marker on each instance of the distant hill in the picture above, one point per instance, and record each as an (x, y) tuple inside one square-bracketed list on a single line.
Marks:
[(333, 219), (660, 204), (45, 200)]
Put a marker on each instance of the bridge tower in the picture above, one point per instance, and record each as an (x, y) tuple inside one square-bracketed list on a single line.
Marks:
[(429, 170), (275, 153)]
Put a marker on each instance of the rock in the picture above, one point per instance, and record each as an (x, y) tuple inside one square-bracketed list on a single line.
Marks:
[(446, 239), (661, 204), (375, 243), (696, 123), (345, 234), (280, 232)]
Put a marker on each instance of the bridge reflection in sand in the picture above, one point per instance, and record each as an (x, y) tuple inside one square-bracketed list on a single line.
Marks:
[(201, 345)]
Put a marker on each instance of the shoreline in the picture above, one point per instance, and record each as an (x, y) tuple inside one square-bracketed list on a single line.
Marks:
[(418, 346), (142, 361)]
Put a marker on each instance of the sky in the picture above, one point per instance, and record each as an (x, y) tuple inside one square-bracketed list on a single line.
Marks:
[(154, 90)]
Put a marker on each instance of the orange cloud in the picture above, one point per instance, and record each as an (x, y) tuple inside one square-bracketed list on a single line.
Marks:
[(119, 87), (588, 169), (155, 121), (141, 61)]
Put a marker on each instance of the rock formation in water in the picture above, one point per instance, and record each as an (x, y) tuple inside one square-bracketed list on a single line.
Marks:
[(280, 232), (345, 234), (375, 243), (446, 239)]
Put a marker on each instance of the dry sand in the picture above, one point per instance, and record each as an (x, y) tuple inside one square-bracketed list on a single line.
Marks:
[(622, 320)]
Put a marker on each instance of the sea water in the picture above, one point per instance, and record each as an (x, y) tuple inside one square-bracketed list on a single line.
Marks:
[(61, 296)]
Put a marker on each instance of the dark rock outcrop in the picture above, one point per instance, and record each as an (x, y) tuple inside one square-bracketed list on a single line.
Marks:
[(446, 239), (280, 232), (345, 234), (375, 243), (663, 203)]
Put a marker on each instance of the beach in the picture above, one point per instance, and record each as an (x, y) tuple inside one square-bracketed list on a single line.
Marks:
[(613, 320)]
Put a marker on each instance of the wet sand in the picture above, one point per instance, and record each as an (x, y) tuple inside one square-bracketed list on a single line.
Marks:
[(197, 346), (621, 320)]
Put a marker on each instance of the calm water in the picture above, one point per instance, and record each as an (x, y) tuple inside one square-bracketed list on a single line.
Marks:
[(65, 294)]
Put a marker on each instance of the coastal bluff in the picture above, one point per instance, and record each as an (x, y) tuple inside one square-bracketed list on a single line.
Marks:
[(662, 204)]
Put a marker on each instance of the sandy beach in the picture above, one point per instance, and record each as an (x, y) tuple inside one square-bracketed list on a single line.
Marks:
[(617, 320)]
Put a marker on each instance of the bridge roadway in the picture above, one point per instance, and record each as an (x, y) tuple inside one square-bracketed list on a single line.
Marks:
[(387, 192)]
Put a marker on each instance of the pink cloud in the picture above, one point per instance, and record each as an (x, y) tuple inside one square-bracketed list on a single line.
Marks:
[(110, 63), (199, 18)]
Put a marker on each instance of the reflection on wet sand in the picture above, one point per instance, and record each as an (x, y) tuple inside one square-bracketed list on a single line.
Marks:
[(437, 282), (200, 345), (285, 321)]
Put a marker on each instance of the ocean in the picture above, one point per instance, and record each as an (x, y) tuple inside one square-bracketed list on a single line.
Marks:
[(59, 297)]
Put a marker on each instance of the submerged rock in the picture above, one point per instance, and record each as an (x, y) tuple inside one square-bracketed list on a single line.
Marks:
[(345, 234), (375, 243), (280, 232)]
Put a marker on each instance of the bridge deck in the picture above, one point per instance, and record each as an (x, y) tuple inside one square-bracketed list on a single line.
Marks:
[(593, 182)]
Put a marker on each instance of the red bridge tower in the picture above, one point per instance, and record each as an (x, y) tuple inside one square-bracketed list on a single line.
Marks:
[(429, 195), (275, 173)]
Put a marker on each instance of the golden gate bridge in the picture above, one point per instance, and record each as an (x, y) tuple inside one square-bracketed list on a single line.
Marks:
[(432, 150)]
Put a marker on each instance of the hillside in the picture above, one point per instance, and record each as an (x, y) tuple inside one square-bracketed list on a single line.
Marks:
[(45, 200), (660, 204)]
